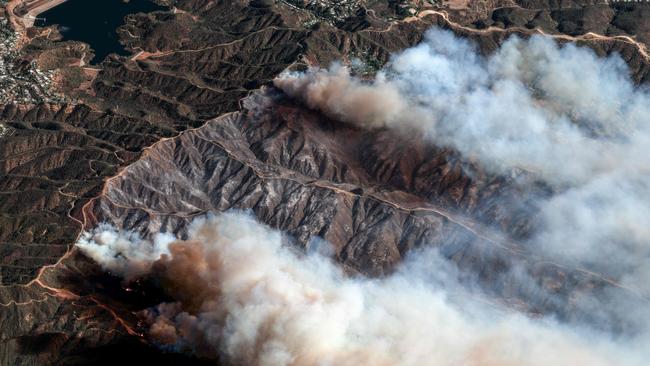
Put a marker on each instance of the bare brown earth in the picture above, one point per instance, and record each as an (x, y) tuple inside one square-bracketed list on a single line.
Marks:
[(117, 152), (373, 195)]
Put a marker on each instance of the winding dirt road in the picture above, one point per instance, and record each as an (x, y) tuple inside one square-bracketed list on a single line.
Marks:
[(23, 13)]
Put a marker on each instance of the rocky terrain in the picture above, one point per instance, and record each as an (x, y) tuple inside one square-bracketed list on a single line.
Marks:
[(364, 192), (189, 123)]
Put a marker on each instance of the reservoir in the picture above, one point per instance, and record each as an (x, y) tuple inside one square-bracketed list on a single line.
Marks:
[(95, 22)]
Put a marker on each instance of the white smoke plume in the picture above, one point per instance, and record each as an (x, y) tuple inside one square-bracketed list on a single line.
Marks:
[(566, 116), (570, 118), (245, 297), (124, 253), (532, 105)]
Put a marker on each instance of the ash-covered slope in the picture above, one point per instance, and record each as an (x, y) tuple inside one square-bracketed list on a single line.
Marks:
[(359, 190), (189, 65), (374, 195), (365, 192), (554, 225)]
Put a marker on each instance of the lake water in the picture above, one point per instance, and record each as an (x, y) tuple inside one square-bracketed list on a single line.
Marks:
[(95, 22)]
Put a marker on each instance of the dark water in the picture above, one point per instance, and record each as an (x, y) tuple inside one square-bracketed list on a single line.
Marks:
[(95, 22)]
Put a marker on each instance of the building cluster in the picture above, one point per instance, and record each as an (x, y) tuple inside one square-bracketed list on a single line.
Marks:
[(337, 11), (21, 82), (331, 10)]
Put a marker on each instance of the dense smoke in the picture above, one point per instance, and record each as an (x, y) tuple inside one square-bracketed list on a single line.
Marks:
[(571, 119), (246, 297), (567, 117), (125, 253), (532, 105)]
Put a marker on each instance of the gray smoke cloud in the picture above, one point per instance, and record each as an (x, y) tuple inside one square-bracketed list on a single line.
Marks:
[(562, 114), (244, 295), (532, 105), (125, 253), (569, 118)]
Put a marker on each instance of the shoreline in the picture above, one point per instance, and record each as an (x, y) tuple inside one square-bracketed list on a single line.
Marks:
[(31, 10)]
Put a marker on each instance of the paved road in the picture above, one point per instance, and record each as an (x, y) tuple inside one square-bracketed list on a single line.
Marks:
[(24, 13)]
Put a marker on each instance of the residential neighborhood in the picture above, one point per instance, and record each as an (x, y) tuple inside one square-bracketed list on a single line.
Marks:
[(21, 82)]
